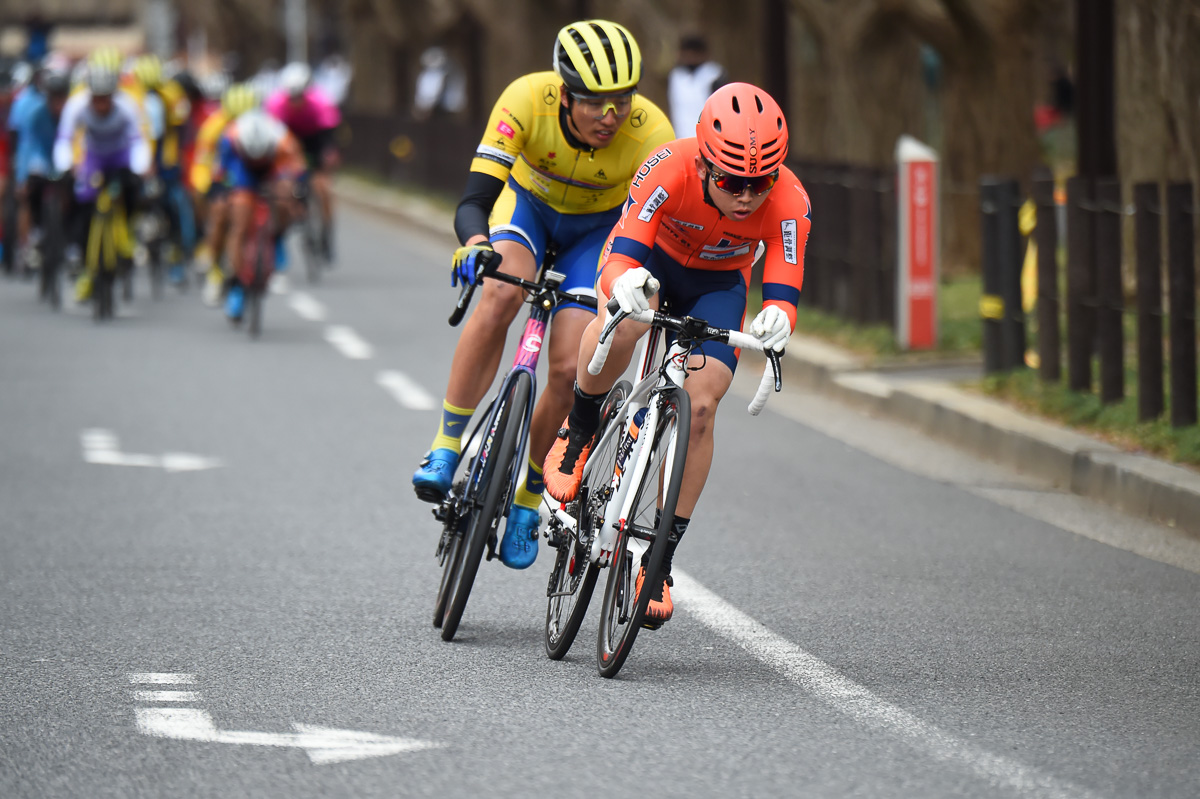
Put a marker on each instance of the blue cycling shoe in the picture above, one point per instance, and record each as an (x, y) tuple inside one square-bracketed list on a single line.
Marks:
[(235, 302), (519, 547), (435, 474)]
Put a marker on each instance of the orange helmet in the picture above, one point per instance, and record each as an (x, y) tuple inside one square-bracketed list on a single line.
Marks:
[(742, 130)]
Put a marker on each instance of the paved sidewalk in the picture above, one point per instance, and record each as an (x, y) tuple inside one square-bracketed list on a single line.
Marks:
[(928, 398)]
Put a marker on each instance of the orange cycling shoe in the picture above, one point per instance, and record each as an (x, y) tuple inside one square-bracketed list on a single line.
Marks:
[(563, 470), (660, 607)]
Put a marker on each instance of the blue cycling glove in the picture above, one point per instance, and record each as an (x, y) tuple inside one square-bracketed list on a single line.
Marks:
[(471, 263)]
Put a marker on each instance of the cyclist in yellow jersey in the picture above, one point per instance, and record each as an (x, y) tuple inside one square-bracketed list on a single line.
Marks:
[(553, 168), (237, 99)]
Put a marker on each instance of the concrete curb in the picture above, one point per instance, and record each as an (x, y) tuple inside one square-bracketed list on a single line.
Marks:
[(1136, 484)]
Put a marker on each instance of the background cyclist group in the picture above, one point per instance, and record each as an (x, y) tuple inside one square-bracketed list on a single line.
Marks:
[(199, 149), (577, 159)]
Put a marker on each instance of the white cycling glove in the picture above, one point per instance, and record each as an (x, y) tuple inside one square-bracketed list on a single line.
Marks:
[(634, 289), (771, 326)]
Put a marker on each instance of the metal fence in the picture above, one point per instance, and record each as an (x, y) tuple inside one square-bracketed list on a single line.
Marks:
[(1095, 289)]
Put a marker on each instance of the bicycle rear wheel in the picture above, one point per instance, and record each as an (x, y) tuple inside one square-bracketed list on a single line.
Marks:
[(573, 577), (314, 258), (52, 247), (254, 295), (624, 609), (485, 511), (449, 553)]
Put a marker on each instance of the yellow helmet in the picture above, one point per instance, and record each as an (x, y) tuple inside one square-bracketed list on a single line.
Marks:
[(597, 57), (106, 59), (239, 98), (148, 70)]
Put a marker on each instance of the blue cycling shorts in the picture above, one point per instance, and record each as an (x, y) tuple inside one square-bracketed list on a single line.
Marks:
[(519, 216)]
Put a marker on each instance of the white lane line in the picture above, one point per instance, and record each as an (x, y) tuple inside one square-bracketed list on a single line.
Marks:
[(823, 682), (307, 307), (348, 343), (166, 696), (161, 678), (406, 391)]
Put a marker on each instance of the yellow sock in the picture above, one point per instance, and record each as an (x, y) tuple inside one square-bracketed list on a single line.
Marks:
[(529, 493), (453, 425)]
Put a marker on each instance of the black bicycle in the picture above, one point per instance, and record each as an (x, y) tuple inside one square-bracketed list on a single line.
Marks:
[(471, 512)]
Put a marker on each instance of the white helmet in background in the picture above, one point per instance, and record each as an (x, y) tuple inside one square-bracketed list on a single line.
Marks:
[(101, 81), (295, 79), (258, 134)]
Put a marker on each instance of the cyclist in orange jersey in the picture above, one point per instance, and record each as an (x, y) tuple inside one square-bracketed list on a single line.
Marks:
[(696, 211)]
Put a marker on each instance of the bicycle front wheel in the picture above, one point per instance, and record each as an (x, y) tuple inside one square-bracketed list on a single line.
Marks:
[(573, 578), (644, 540), (484, 505)]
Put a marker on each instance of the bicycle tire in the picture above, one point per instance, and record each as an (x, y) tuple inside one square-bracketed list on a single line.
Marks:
[(154, 261), (254, 296), (504, 434), (623, 611), (52, 248), (450, 550), (569, 593), (314, 260)]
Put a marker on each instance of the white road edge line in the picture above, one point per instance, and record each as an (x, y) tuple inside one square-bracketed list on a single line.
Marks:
[(307, 307), (161, 678), (823, 682), (348, 343), (405, 390), (166, 696)]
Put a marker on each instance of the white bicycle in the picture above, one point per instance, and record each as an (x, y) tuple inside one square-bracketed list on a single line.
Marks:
[(621, 519)]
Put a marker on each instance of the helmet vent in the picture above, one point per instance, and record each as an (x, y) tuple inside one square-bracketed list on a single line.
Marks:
[(758, 101), (737, 109), (717, 125)]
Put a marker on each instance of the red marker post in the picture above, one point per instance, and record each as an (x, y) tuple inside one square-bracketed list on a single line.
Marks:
[(919, 263)]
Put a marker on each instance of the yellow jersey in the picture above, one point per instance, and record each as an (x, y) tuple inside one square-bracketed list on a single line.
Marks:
[(205, 154), (524, 140)]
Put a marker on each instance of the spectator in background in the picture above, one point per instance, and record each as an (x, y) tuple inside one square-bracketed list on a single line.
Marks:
[(441, 86), (332, 76), (690, 83)]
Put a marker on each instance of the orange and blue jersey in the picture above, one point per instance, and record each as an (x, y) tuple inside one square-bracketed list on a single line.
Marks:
[(236, 172), (702, 256)]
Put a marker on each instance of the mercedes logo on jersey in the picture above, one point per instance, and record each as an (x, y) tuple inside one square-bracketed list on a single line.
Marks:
[(550, 94)]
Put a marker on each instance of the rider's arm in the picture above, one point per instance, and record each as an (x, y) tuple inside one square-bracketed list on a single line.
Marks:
[(785, 238), (139, 149), (657, 190), (64, 153), (471, 218)]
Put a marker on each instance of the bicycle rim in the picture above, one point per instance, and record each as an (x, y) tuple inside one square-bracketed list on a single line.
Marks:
[(573, 578), (450, 552), (623, 609), (497, 452)]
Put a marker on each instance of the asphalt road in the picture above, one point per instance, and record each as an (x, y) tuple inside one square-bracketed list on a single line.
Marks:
[(861, 612)]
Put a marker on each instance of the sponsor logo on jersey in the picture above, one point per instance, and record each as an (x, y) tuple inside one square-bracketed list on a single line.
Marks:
[(600, 174), (688, 225), (506, 129), (656, 200), (722, 250), (651, 162), (789, 240), (639, 118), (550, 94), (514, 119), (497, 155)]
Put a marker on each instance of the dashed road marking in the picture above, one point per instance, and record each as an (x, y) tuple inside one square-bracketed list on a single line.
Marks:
[(406, 391), (307, 307), (166, 696), (348, 343), (161, 678)]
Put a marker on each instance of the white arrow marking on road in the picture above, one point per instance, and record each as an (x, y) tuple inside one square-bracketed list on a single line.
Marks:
[(348, 342), (307, 307), (406, 391), (323, 744), (102, 447)]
